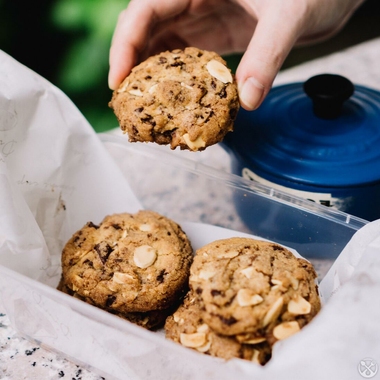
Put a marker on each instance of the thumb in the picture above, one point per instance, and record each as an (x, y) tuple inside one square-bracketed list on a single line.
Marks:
[(271, 42)]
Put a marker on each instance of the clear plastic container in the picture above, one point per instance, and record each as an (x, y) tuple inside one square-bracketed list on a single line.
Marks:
[(197, 197)]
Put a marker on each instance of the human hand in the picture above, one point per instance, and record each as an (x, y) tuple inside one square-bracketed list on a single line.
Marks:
[(265, 31)]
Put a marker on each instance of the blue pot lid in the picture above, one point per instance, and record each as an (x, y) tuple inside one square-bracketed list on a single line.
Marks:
[(323, 132)]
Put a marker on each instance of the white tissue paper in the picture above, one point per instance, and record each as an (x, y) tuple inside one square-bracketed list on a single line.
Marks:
[(55, 175), (53, 171)]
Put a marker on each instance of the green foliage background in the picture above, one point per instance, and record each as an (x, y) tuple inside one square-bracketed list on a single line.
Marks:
[(67, 42)]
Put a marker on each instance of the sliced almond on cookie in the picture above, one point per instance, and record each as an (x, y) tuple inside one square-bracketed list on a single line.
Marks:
[(273, 312), (118, 279), (299, 305), (206, 274), (246, 297), (203, 328), (186, 86), (295, 283), (196, 144), (205, 347), (144, 256), (248, 272), (136, 92), (193, 340), (153, 89), (256, 340), (256, 357), (123, 87), (122, 278), (146, 227), (228, 254), (286, 329), (219, 71)]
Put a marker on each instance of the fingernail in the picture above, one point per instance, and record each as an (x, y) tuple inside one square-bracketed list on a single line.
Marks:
[(250, 93), (111, 83)]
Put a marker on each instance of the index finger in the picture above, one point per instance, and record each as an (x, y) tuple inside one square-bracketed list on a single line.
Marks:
[(132, 32), (275, 34)]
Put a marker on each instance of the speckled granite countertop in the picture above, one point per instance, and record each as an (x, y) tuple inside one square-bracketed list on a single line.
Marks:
[(21, 359)]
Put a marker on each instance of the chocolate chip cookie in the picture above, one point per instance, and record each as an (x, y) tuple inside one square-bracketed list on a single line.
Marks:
[(253, 290), (129, 263), (186, 98), (187, 327)]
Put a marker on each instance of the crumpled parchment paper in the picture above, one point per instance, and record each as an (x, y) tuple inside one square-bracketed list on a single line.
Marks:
[(53, 168)]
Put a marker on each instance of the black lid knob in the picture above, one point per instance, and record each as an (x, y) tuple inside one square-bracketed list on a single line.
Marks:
[(328, 93)]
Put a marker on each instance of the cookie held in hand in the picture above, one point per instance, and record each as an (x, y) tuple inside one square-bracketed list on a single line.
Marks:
[(186, 98)]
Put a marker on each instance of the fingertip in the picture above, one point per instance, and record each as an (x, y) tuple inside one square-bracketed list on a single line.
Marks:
[(251, 93), (264, 56), (115, 78), (112, 84), (122, 59)]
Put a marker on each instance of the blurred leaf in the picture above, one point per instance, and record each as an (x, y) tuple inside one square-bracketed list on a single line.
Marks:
[(96, 16), (68, 14), (102, 20), (84, 65), (83, 71)]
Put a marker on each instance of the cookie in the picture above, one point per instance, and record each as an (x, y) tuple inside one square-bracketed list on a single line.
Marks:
[(185, 98), (128, 263), (254, 290), (151, 320), (187, 327)]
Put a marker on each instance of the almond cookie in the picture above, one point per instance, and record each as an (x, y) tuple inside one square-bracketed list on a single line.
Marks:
[(254, 290), (185, 98), (187, 327), (128, 263)]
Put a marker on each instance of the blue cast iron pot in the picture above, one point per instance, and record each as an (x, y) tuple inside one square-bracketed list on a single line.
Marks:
[(319, 140)]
